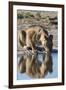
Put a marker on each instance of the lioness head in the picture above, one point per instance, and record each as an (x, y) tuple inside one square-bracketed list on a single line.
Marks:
[(45, 40)]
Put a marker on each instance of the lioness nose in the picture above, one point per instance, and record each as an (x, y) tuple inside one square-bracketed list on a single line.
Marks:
[(29, 48)]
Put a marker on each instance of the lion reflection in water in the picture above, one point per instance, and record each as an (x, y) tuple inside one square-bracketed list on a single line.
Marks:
[(30, 64), (33, 67)]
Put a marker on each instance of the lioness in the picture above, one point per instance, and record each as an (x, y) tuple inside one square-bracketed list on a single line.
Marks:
[(34, 35)]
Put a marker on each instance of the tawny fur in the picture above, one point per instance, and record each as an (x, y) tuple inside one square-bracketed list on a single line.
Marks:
[(32, 36)]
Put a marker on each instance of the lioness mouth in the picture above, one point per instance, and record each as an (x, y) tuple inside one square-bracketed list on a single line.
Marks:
[(29, 48)]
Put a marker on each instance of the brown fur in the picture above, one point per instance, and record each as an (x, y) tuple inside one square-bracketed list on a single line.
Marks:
[(30, 64), (47, 65), (34, 68), (22, 64), (33, 36)]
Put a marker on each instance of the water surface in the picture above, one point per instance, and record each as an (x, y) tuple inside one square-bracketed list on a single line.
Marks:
[(54, 74)]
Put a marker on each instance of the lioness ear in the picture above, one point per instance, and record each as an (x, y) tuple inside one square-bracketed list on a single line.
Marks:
[(51, 37)]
